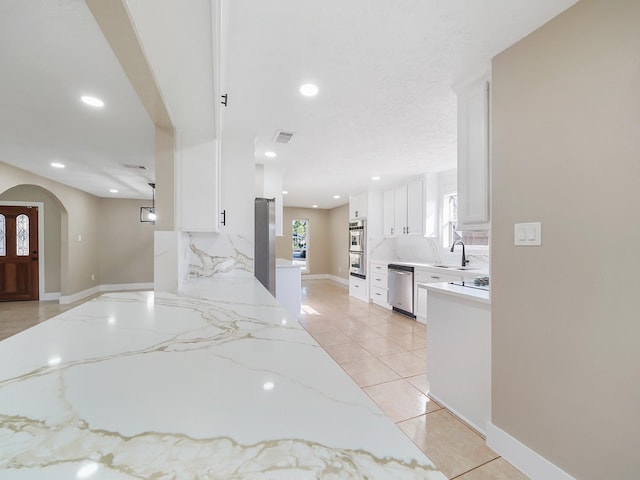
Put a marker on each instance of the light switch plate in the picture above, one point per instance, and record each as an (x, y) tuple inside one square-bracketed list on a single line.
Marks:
[(527, 234)]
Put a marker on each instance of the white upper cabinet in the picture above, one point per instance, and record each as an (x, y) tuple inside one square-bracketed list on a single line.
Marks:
[(407, 207), (197, 184), (358, 205), (416, 203), (473, 155), (389, 213), (400, 210)]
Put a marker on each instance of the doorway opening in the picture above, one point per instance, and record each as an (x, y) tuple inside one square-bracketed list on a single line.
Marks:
[(19, 266), (300, 240)]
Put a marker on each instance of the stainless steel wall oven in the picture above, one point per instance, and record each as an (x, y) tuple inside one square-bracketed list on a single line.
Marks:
[(357, 255)]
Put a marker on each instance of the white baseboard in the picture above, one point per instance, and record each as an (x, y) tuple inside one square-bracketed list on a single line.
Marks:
[(315, 276), (340, 280), (325, 276), (532, 464), (50, 296), (119, 287), (74, 297)]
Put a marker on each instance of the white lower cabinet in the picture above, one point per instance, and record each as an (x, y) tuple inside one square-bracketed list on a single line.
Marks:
[(379, 297), (378, 290), (459, 357), (420, 294), (358, 288)]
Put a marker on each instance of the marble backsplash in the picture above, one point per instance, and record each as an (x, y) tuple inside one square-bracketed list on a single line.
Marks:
[(423, 250), (213, 254)]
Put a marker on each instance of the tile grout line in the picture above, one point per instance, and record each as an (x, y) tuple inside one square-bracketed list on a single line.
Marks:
[(475, 468)]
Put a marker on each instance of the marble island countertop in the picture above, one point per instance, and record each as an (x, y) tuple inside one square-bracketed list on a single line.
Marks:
[(215, 382)]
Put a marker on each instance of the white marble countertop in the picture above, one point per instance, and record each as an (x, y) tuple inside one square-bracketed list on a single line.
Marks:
[(467, 293), (215, 382), (468, 272)]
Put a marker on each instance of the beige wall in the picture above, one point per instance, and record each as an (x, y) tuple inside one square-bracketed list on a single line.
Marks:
[(80, 246), (78, 259), (126, 244), (339, 241), (53, 212), (566, 152), (319, 250)]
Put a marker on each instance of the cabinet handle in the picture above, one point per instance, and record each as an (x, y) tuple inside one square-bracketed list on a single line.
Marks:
[(407, 229), (436, 277), (378, 280)]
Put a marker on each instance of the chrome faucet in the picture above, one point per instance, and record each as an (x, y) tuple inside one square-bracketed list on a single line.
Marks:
[(464, 257)]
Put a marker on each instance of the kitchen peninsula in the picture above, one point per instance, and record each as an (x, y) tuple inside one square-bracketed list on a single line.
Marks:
[(459, 350), (216, 381)]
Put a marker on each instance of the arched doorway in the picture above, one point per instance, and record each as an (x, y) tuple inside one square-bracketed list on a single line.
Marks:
[(51, 242)]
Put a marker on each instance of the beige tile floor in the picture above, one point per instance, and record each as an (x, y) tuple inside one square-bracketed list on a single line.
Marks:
[(385, 353), (18, 316)]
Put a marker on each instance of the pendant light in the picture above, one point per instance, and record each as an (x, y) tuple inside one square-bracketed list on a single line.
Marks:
[(148, 214)]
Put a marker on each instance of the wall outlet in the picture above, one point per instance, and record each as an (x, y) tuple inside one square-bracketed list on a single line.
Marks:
[(339, 269), (93, 277)]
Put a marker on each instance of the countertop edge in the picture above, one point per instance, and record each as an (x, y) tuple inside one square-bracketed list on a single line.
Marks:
[(467, 293)]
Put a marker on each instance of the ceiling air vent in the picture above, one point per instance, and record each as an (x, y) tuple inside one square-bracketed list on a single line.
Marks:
[(136, 167), (283, 136)]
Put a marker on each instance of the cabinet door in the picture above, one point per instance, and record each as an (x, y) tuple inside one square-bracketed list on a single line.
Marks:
[(415, 208), (473, 157), (389, 213), (358, 205), (400, 209)]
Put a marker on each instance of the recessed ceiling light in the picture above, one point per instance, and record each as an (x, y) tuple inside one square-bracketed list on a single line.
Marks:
[(93, 101), (309, 90), (284, 192), (57, 165), (113, 190), (375, 178), (315, 206), (336, 196), (270, 154)]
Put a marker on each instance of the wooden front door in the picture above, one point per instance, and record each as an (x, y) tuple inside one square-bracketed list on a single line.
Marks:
[(18, 253)]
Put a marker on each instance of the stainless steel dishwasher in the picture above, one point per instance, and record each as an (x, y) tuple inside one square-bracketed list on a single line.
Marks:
[(401, 289)]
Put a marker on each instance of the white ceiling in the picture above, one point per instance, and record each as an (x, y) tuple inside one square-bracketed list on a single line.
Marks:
[(384, 69), (52, 53)]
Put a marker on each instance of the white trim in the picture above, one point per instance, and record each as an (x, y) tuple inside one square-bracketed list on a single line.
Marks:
[(326, 276), (50, 296), (340, 280), (40, 207), (117, 287), (522, 457), (74, 297), (315, 276)]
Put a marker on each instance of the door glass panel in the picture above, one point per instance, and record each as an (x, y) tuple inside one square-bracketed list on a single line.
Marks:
[(22, 235), (3, 239)]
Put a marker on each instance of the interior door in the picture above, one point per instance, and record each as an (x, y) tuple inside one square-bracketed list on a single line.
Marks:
[(18, 253)]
